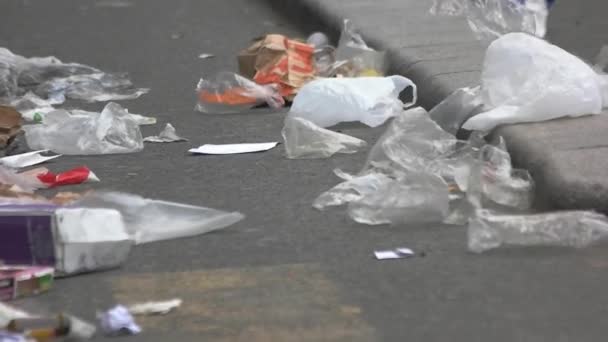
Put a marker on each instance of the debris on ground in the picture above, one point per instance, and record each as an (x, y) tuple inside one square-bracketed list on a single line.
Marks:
[(370, 100), (10, 124), (354, 58), (167, 135), (305, 140), (74, 176), (24, 281), (391, 254), (206, 56), (527, 79), (109, 132), (451, 113), (118, 321), (233, 148), (155, 308), (45, 328), (490, 19), (19, 161), (231, 93)]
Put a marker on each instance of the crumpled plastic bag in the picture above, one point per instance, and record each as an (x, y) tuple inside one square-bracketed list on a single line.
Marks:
[(53, 80), (370, 100), (118, 320), (490, 19), (109, 132), (526, 79), (231, 93), (488, 230), (150, 220), (457, 108), (305, 140), (354, 58), (167, 135)]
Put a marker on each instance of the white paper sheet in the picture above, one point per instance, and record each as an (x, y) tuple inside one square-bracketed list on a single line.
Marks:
[(26, 159), (398, 253), (233, 148)]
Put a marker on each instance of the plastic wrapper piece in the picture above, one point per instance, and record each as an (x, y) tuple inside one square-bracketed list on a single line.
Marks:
[(526, 79), (490, 19), (231, 93), (155, 308), (567, 229), (354, 58), (117, 321), (305, 140), (167, 135), (150, 220), (110, 132), (457, 108), (370, 100)]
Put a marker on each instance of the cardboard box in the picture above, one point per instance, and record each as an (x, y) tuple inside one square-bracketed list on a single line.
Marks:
[(23, 281)]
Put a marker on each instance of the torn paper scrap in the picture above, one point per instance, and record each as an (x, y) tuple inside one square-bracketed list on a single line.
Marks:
[(155, 308), (205, 56), (167, 135), (233, 148), (26, 159), (398, 253)]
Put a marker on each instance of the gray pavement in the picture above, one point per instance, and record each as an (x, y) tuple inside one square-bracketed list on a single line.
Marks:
[(287, 272)]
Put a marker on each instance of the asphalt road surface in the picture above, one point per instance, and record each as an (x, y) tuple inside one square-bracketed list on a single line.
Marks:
[(287, 272)]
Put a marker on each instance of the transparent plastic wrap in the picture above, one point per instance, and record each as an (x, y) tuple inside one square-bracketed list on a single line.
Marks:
[(457, 108), (150, 220), (110, 132), (231, 93), (579, 229), (526, 79), (490, 19), (354, 58), (370, 100), (305, 140)]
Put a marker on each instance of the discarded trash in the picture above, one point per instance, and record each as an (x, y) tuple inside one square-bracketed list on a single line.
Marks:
[(517, 71), (23, 281), (46, 328), (233, 148), (398, 253), (117, 321), (32, 107), (112, 131), (232, 93), (457, 108), (20, 182), (276, 59), (10, 337), (149, 220), (305, 140), (355, 58), (10, 124), (26, 159), (206, 56), (371, 100), (568, 229), (155, 308), (77, 175), (490, 19), (9, 313), (72, 240), (167, 135)]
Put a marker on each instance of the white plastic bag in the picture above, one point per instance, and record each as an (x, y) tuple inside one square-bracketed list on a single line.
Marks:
[(526, 79), (371, 100)]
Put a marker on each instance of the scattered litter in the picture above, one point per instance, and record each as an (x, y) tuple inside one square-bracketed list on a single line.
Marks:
[(355, 58), (177, 35), (232, 93), (305, 140), (118, 321), (276, 59), (9, 313), (149, 220), (206, 56), (490, 19), (398, 253), (371, 100), (32, 107), (24, 281), (61, 326), (77, 175), (109, 132), (10, 124), (26, 159), (457, 108), (167, 135), (155, 308), (514, 84), (233, 148), (579, 229), (6, 336), (21, 182)]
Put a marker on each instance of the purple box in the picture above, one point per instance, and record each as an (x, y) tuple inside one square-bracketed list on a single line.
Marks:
[(26, 235)]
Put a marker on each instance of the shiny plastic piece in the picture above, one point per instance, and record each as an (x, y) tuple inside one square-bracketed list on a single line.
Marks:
[(526, 79), (305, 140), (457, 108), (354, 58), (110, 132), (370, 100), (167, 135), (150, 220), (490, 19), (567, 229), (231, 93)]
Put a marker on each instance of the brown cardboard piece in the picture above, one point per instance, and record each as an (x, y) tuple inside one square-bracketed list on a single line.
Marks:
[(10, 124)]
